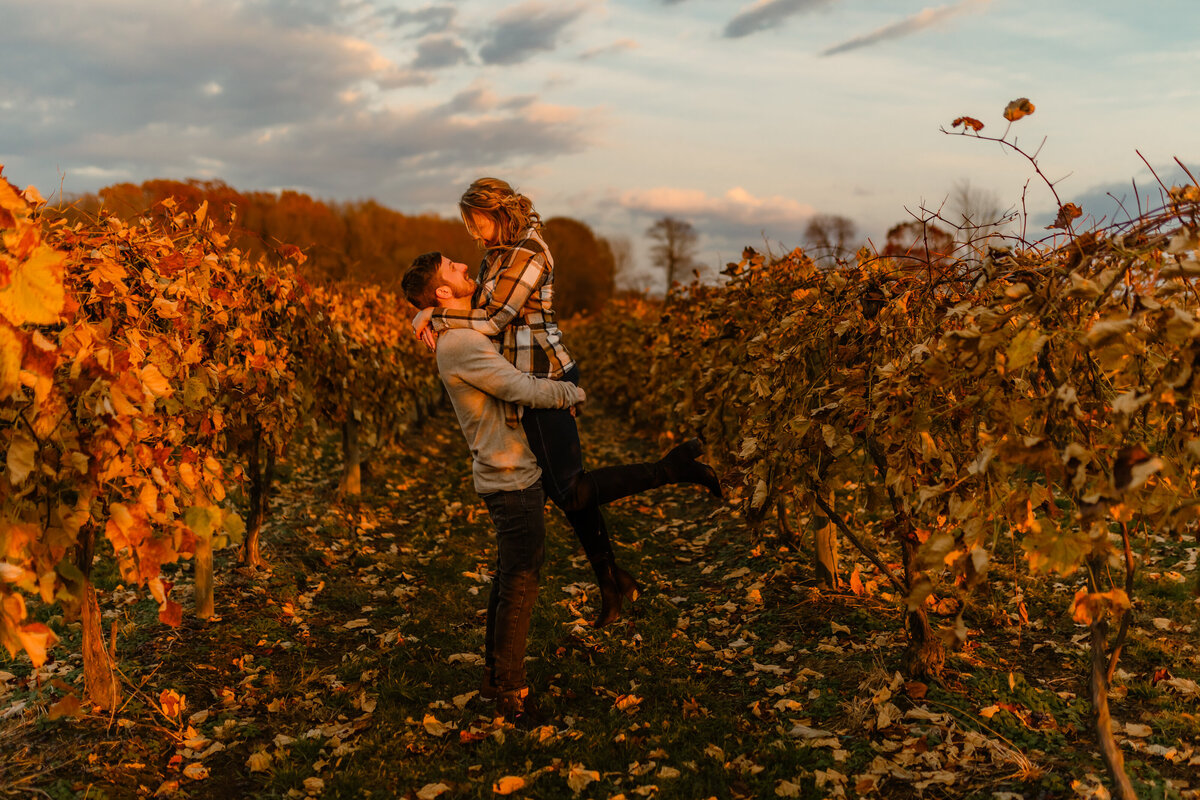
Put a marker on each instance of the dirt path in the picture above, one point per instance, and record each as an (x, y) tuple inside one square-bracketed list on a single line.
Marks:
[(350, 670)]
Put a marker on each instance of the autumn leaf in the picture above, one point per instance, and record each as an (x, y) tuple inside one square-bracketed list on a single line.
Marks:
[(968, 122), (195, 771), (170, 613), (1018, 108), (786, 788), (1133, 467), (154, 381), (259, 761), (171, 702), (1138, 730), (508, 784), (34, 295), (68, 706), (1066, 213), (578, 778), (434, 727), (1088, 607), (20, 458), (11, 350)]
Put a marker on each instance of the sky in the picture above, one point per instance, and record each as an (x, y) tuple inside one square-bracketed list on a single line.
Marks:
[(743, 118)]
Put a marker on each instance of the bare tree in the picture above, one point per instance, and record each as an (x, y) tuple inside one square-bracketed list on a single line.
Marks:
[(977, 212), (622, 250), (830, 235), (674, 248)]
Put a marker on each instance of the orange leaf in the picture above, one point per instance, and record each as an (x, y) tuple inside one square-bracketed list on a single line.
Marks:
[(171, 702), (170, 613), (11, 350), (35, 293), (35, 638), (968, 122), (1066, 213), (508, 784), (1021, 107), (66, 707), (154, 381)]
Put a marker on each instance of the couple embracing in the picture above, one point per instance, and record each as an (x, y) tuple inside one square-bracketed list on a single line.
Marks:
[(515, 390)]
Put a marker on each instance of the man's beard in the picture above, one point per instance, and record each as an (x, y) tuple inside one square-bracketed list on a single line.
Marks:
[(466, 290)]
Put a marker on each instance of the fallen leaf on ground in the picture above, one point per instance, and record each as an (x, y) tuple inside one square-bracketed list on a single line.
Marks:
[(431, 790), (258, 762), (508, 784), (578, 778)]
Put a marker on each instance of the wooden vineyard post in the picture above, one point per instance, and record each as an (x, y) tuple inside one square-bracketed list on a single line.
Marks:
[(204, 576), (352, 454), (100, 679), (825, 551)]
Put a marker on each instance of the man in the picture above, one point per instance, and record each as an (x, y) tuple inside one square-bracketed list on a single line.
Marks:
[(480, 381)]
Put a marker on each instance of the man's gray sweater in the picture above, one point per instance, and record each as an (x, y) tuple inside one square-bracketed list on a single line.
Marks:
[(478, 378)]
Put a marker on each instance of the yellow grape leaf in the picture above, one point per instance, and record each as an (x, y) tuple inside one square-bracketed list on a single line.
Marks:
[(33, 196), (259, 762), (35, 294), (508, 784), (1024, 347), (154, 381), (578, 778), (196, 771), (628, 703), (34, 639), (187, 474), (21, 452), (12, 205), (434, 727), (1138, 730), (787, 789), (1090, 606)]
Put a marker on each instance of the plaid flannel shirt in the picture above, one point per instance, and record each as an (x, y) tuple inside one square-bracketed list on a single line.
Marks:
[(512, 305)]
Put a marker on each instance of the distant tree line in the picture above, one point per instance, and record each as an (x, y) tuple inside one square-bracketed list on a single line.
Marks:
[(358, 241)]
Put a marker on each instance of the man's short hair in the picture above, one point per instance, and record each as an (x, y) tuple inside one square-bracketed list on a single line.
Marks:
[(420, 281)]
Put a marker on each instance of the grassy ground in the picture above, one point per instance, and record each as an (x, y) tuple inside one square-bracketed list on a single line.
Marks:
[(351, 669)]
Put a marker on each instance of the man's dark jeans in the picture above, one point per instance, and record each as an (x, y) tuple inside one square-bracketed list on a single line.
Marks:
[(521, 538)]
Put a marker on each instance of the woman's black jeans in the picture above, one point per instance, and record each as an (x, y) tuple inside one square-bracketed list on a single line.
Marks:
[(520, 537), (554, 440)]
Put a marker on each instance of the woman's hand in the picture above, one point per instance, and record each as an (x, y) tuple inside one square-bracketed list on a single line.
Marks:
[(422, 330), (577, 409)]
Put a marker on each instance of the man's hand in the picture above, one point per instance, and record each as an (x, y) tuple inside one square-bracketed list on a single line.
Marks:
[(422, 330), (577, 409)]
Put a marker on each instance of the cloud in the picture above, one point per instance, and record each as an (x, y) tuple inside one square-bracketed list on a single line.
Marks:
[(906, 26), (521, 31), (150, 89), (1116, 202), (427, 20), (765, 14), (618, 46), (727, 222), (439, 51), (737, 205)]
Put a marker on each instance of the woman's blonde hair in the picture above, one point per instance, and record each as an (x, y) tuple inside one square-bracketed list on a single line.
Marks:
[(512, 212)]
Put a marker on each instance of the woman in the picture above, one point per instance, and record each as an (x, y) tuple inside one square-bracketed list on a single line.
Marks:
[(513, 303)]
